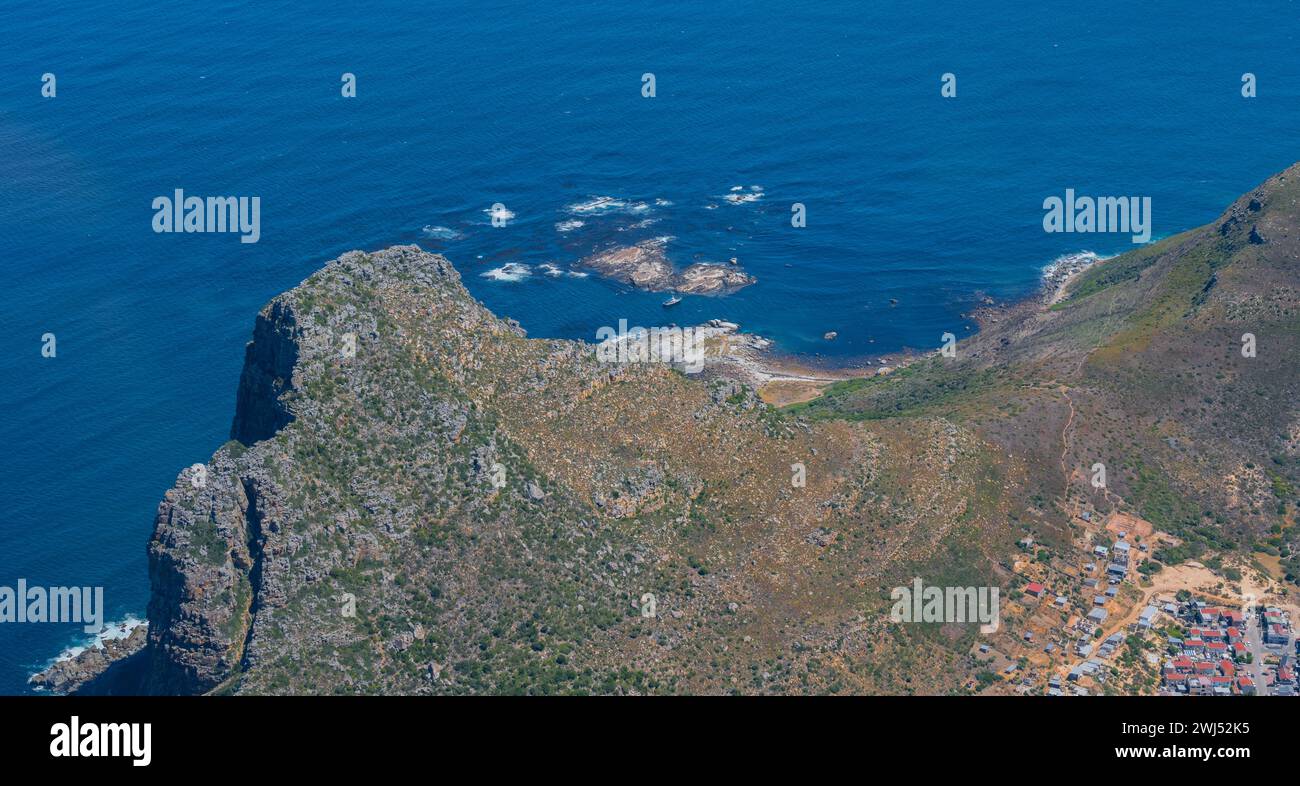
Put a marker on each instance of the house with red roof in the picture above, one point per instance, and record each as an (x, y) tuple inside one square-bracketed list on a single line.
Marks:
[(1276, 634)]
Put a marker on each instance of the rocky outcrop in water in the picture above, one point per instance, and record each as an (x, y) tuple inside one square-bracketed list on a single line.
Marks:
[(72, 674), (646, 266)]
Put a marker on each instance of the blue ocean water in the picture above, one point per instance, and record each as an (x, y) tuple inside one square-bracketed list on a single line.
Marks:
[(538, 106)]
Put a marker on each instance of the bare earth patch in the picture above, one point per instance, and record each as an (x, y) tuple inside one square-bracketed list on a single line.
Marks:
[(1132, 525), (784, 392)]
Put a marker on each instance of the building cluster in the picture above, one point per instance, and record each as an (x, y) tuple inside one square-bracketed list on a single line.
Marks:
[(1214, 652)]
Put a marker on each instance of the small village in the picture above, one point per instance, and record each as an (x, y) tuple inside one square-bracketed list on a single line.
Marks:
[(1102, 621)]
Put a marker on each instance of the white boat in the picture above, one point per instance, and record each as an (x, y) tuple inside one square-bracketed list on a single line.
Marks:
[(672, 301)]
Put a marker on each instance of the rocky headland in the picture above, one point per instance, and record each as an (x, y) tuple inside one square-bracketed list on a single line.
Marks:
[(418, 498)]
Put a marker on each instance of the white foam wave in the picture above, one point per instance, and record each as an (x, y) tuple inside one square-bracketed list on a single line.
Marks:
[(1069, 264), (555, 271), (740, 196), (511, 271), (600, 205), (110, 632), (440, 233)]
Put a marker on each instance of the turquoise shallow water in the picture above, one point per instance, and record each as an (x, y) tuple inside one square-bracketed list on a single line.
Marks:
[(909, 196)]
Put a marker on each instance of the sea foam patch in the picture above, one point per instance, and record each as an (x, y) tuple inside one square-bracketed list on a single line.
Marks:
[(739, 196), (440, 232), (642, 224), (1068, 264), (555, 271), (510, 272), (113, 631), (599, 205)]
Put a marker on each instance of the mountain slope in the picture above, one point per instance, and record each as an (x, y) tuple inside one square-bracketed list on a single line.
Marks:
[(417, 498), (498, 507)]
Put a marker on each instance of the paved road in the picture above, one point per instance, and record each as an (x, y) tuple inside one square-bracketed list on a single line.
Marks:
[(1255, 643)]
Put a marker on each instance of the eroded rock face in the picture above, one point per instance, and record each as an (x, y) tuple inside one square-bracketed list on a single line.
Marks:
[(199, 571), (220, 555), (646, 266), (261, 408)]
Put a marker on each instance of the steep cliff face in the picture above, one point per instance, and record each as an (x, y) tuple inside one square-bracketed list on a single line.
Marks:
[(200, 572), (261, 406), (209, 553), (420, 499), (219, 556)]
